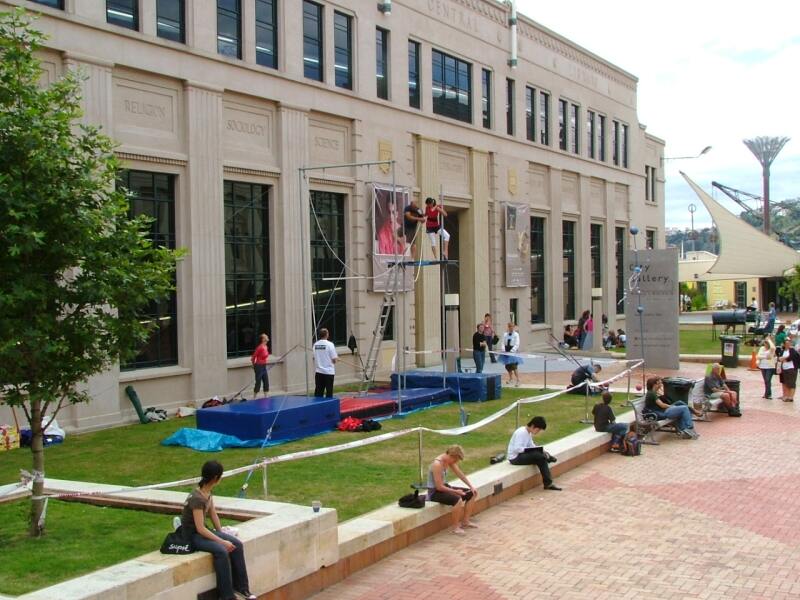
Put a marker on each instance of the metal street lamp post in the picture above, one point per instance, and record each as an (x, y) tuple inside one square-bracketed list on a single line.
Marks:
[(766, 149), (692, 233)]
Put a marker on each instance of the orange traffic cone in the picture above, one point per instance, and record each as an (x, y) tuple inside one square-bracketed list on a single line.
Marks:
[(753, 362)]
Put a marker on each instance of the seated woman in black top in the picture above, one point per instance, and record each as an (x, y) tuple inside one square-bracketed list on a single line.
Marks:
[(655, 402), (570, 339)]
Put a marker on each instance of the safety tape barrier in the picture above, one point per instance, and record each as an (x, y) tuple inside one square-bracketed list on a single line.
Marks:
[(376, 439)]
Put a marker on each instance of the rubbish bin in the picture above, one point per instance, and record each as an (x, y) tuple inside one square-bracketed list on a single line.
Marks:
[(734, 385), (678, 388), (730, 350)]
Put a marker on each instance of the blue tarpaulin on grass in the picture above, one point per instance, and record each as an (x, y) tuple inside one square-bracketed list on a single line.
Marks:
[(207, 441)]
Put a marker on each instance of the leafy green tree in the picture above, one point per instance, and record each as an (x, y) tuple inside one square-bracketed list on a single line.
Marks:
[(791, 286), (75, 268)]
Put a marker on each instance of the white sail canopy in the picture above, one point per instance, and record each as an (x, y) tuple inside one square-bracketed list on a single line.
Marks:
[(744, 250)]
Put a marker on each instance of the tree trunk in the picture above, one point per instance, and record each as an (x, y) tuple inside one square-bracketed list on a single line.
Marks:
[(37, 448)]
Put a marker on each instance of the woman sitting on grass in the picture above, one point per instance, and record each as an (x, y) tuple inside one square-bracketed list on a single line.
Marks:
[(461, 499), (227, 550)]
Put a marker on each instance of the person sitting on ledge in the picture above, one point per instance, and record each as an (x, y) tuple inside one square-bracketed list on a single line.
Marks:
[(604, 420), (522, 450), (570, 339), (461, 499), (655, 402), (585, 374)]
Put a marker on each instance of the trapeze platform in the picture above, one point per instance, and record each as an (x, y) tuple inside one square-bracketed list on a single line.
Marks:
[(297, 417), (421, 263), (473, 387)]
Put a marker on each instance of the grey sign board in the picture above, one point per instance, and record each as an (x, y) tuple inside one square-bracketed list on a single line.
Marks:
[(517, 226), (655, 290)]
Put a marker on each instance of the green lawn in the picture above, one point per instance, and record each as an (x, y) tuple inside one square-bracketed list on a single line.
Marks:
[(354, 481), (696, 341)]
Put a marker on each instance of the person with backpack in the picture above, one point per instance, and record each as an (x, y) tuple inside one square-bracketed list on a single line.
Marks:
[(631, 444), (605, 421), (461, 499)]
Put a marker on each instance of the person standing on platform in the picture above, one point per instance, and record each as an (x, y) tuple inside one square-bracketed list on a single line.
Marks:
[(412, 217), (491, 336), (511, 346), (433, 226), (259, 360), (479, 348), (325, 358), (522, 450)]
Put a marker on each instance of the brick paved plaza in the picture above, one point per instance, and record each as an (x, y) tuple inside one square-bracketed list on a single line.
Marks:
[(712, 518)]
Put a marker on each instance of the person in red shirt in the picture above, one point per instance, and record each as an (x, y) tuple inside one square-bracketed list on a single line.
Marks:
[(433, 226), (259, 359)]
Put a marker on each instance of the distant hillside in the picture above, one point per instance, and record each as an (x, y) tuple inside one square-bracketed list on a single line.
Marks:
[(706, 240)]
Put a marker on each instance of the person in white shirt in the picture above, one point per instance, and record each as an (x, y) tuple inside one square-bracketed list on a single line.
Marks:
[(325, 358), (510, 347), (522, 450)]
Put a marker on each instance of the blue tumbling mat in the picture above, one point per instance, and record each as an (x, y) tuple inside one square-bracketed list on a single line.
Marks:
[(473, 387)]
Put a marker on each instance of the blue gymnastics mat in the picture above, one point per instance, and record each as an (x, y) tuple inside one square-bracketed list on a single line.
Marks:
[(474, 387)]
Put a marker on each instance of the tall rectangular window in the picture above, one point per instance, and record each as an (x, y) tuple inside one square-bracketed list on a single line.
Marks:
[(568, 267), (510, 106), (615, 143), (538, 292), (124, 13), (619, 255), (328, 285), (312, 41), (596, 250), (590, 133), (650, 238), (601, 137), (153, 194), (51, 3), (562, 124), (623, 146), (486, 98), (229, 28), (382, 63), (413, 74), (574, 128), (342, 50), (451, 89), (650, 184), (530, 114), (544, 118), (267, 33), (170, 20), (247, 273)]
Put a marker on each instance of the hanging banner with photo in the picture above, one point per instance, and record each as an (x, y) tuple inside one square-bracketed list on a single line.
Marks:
[(389, 244), (517, 224)]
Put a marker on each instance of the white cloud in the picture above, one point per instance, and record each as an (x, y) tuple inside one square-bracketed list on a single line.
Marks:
[(710, 73)]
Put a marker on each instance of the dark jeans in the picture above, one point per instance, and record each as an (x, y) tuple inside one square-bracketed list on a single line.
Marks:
[(323, 383), (617, 431), (535, 458), (767, 375), (480, 359), (490, 348), (230, 567), (261, 378)]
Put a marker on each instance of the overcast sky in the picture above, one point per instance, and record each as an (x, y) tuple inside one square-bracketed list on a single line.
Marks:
[(711, 73)]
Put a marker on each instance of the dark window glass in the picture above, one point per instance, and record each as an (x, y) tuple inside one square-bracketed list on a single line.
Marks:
[(312, 40), (486, 97), (267, 33), (510, 106), (124, 13), (153, 194), (413, 74), (615, 143), (544, 118), (382, 63), (740, 293), (530, 115), (574, 128), (247, 273), (590, 133), (451, 89), (647, 185), (601, 138), (229, 28), (623, 146), (170, 20), (538, 295), (562, 124), (619, 255), (568, 267), (51, 3), (327, 258), (596, 246), (343, 50), (650, 235)]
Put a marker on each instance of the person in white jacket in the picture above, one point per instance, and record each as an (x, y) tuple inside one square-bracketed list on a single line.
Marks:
[(510, 348), (766, 363)]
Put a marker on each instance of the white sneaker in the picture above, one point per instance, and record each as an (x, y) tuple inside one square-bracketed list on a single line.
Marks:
[(176, 522)]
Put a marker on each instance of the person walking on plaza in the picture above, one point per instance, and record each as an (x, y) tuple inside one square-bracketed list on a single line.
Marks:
[(766, 363), (259, 361), (510, 347), (479, 348), (714, 386), (226, 549), (325, 358), (461, 499), (491, 335), (605, 421), (434, 226), (654, 403), (522, 450)]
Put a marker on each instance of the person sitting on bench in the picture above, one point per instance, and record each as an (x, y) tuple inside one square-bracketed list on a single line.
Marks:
[(522, 450), (585, 374), (461, 499), (715, 387), (655, 402)]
